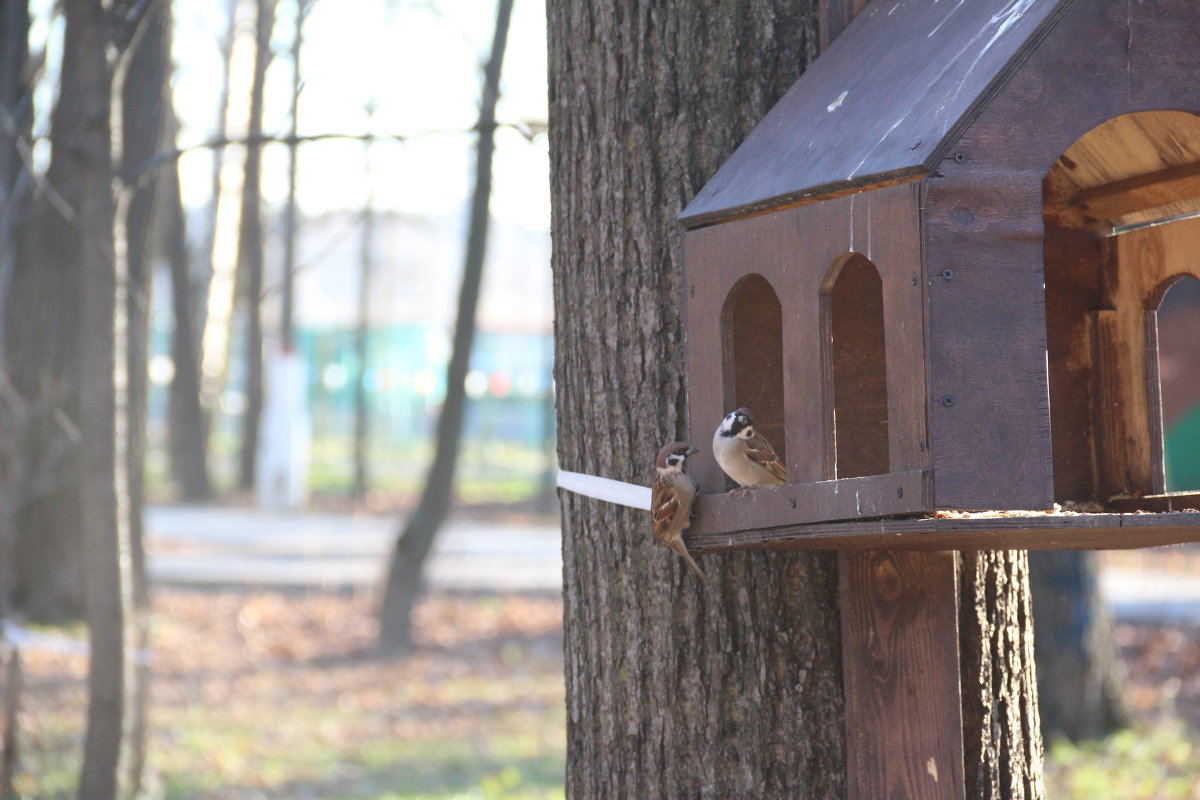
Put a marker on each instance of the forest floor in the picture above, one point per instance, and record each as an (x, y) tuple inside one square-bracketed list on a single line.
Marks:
[(272, 694), (261, 693)]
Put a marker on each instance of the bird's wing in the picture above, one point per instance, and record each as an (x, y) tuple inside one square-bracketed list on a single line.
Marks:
[(759, 450), (664, 504)]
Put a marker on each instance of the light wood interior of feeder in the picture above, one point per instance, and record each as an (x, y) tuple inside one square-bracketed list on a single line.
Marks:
[(752, 348), (855, 368), (1133, 170), (1104, 283)]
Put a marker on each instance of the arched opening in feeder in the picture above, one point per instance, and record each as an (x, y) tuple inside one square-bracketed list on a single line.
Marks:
[(1122, 223), (855, 365), (1176, 381), (752, 350)]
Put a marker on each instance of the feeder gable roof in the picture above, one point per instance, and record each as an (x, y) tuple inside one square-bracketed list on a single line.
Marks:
[(882, 103)]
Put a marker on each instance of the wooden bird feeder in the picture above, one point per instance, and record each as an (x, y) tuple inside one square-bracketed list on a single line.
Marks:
[(932, 271)]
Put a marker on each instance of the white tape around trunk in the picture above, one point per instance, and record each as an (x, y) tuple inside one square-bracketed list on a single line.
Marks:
[(625, 494)]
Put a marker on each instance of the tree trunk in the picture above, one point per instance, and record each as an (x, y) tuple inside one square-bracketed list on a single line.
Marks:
[(143, 83), (287, 300), (14, 185), (250, 251), (187, 432), (1079, 677), (1001, 730), (15, 181), (14, 126), (41, 336), (731, 688), (362, 331), (83, 149), (404, 581)]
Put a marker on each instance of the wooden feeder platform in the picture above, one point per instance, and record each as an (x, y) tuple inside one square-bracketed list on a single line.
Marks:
[(874, 513)]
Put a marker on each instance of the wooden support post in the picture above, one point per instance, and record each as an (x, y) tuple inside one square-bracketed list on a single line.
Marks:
[(900, 666)]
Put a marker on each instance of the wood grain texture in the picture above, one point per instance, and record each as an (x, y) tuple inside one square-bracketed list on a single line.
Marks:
[(850, 498), (835, 15), (874, 107), (752, 354), (989, 410), (986, 219), (1102, 295), (673, 690), (858, 369), (1033, 532), (1169, 192), (1136, 168), (798, 252), (900, 656), (1157, 503)]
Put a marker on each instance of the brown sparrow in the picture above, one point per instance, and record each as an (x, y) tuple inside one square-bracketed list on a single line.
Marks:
[(746, 455), (671, 500)]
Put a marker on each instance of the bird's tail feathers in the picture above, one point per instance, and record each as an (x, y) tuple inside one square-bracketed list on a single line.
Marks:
[(679, 547)]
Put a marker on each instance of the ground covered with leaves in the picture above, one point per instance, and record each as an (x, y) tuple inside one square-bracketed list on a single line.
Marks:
[(264, 694), (268, 694)]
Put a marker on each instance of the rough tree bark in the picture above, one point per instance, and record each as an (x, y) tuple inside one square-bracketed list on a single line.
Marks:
[(733, 688), (404, 581)]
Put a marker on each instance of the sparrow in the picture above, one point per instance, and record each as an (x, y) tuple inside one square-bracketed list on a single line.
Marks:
[(746, 455), (671, 498)]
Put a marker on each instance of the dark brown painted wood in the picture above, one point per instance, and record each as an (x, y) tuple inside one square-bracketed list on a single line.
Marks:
[(989, 414), (874, 107), (849, 498), (1023, 532), (1075, 257), (835, 15), (985, 220), (795, 251), (752, 353), (1173, 501), (900, 663), (857, 371)]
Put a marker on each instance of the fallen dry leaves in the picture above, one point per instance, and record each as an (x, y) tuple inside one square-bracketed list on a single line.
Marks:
[(272, 693)]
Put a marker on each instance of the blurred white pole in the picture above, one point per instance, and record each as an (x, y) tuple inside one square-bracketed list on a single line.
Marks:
[(284, 443), (285, 438)]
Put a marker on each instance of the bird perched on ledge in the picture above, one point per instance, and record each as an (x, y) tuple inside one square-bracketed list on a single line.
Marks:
[(745, 454), (671, 500)]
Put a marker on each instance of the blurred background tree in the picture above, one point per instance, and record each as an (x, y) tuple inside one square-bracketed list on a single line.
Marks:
[(112, 393), (229, 277)]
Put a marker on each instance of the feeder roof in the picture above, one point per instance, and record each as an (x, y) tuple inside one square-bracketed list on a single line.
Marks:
[(882, 103)]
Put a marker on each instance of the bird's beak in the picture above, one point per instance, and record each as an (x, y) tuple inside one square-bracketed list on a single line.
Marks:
[(692, 451)]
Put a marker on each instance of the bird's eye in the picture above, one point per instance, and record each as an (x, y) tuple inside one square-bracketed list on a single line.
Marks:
[(742, 419)]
